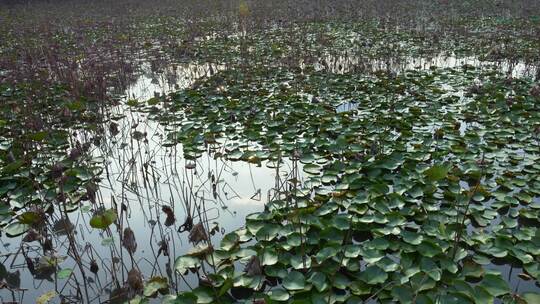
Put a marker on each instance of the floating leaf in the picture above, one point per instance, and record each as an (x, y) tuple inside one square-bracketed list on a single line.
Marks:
[(403, 294), (294, 281), (204, 295), (183, 263), (278, 295), (107, 241), (267, 232), (312, 169), (155, 285), (411, 237), (269, 256), (46, 297), (15, 229), (531, 297), (495, 285), (104, 219), (326, 253), (64, 273), (229, 241), (373, 275), (318, 279), (153, 101), (437, 172)]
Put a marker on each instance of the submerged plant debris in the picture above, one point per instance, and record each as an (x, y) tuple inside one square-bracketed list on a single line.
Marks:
[(234, 153)]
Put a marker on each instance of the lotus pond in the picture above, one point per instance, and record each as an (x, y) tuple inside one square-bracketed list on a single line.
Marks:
[(315, 162)]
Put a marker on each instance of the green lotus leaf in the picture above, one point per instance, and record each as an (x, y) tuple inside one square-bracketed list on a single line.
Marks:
[(373, 275), (495, 285), (294, 281), (437, 172), (155, 285), (103, 219), (183, 263)]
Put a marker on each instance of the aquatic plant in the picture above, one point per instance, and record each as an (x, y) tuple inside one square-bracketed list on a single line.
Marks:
[(387, 148)]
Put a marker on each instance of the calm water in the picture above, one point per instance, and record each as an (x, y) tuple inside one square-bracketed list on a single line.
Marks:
[(142, 177)]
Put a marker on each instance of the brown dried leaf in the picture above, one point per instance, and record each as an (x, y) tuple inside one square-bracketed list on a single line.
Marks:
[(113, 128), (135, 280), (32, 235), (187, 225), (94, 268), (197, 234), (253, 267), (129, 241), (163, 248), (170, 215)]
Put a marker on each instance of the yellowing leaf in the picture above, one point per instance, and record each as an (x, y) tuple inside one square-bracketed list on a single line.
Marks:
[(46, 297)]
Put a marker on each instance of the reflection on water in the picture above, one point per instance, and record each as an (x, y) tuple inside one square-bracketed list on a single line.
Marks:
[(346, 107), (173, 77), (156, 193), (160, 196), (341, 64)]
